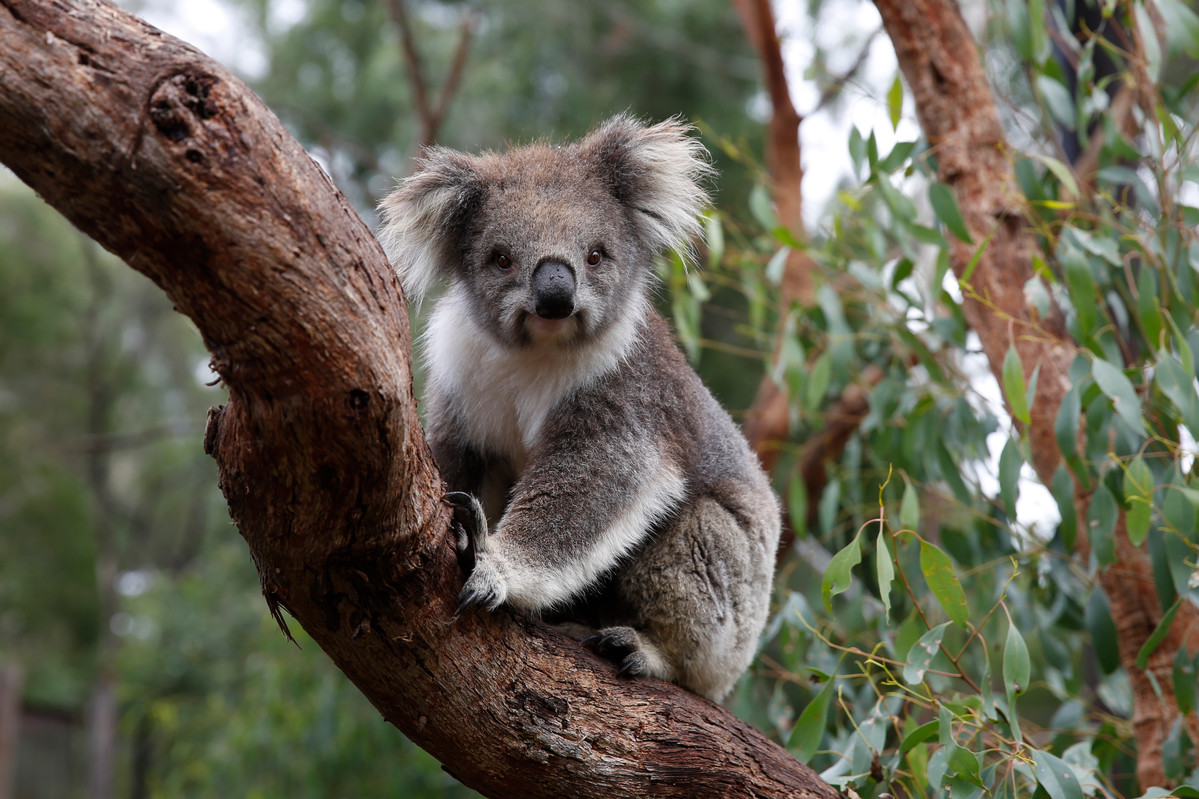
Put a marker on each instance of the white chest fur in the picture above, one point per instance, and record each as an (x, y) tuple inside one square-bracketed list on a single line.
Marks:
[(503, 394)]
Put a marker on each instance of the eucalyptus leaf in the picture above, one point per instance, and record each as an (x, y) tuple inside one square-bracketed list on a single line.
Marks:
[(1016, 664), (945, 206), (777, 265), (1101, 524), (1010, 464), (1056, 776), (944, 584), (1099, 623), (909, 507), (922, 653), (1172, 380), (895, 102), (1065, 429), (797, 506), (808, 732), (818, 382), (839, 574), (1118, 388), (1080, 281), (1059, 100), (884, 569), (1186, 681), (1014, 389), (1159, 634), (1062, 489), (1138, 497)]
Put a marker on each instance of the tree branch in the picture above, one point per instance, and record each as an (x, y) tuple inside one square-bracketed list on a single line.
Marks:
[(431, 116), (767, 422), (174, 165)]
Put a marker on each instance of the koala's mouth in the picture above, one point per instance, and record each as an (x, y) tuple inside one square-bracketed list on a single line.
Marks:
[(540, 329)]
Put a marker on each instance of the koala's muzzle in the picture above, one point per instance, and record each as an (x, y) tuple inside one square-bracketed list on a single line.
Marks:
[(553, 290)]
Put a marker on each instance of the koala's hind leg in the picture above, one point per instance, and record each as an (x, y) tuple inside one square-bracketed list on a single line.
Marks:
[(702, 594)]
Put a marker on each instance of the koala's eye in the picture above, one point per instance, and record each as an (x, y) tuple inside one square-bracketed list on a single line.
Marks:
[(503, 261), (594, 257)]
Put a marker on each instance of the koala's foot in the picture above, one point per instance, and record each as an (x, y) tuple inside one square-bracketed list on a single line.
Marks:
[(484, 585), (636, 654)]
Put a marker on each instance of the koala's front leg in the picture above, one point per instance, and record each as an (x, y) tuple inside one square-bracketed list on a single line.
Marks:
[(484, 584)]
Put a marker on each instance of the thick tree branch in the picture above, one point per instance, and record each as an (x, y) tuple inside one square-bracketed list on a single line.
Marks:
[(168, 161), (940, 61)]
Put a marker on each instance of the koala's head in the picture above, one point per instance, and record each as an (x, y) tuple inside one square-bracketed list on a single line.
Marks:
[(549, 244)]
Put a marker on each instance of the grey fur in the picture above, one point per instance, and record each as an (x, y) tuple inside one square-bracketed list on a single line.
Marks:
[(613, 490)]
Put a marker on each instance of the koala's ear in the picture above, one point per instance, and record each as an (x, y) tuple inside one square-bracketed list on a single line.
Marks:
[(422, 221), (657, 172)]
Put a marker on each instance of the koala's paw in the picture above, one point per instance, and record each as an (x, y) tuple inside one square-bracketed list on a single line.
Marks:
[(485, 587), (625, 646), (470, 528)]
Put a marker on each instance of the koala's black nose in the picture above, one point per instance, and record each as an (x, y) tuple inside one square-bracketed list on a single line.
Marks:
[(553, 290)]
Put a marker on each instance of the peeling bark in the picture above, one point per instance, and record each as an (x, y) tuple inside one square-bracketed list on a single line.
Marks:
[(940, 62), (165, 159)]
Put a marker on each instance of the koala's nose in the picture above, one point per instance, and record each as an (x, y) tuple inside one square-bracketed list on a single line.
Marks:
[(553, 290)]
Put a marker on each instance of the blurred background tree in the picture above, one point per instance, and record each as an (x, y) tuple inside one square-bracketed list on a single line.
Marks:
[(148, 664)]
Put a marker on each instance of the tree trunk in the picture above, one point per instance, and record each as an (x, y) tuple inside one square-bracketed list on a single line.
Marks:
[(102, 738), (940, 61), (168, 161), (10, 718), (768, 421)]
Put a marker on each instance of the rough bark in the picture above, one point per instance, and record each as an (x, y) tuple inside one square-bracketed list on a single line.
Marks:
[(168, 161), (940, 62)]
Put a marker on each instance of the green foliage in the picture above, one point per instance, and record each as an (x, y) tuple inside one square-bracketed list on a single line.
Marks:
[(338, 77), (971, 655), (928, 642), (232, 708), (97, 398)]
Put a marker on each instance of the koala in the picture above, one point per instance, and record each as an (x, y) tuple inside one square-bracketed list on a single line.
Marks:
[(597, 482)]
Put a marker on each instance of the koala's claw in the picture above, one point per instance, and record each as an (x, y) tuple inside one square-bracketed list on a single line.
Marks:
[(612, 641), (469, 597), (635, 664), (623, 645), (484, 587), (470, 527)]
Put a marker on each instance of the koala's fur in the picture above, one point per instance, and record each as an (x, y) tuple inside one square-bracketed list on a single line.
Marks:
[(618, 493)]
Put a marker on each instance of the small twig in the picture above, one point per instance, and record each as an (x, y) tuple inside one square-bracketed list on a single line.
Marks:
[(431, 116), (838, 83)]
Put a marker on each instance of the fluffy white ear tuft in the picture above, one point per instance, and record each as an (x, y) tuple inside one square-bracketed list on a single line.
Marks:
[(423, 219), (657, 172)]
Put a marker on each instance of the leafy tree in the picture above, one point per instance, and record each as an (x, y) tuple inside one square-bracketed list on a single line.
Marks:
[(930, 640), (950, 644)]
